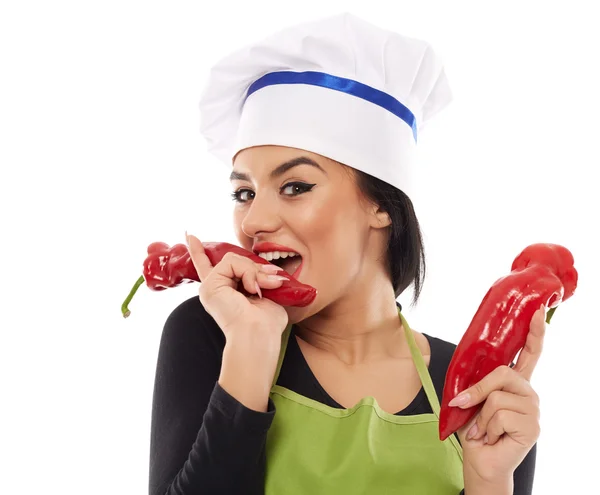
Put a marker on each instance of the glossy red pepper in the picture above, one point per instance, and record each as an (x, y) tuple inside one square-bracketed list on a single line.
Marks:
[(541, 273), (167, 267)]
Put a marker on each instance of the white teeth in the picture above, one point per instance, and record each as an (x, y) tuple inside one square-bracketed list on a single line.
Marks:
[(275, 255)]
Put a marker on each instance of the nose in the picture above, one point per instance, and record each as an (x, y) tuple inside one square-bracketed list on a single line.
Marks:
[(262, 216)]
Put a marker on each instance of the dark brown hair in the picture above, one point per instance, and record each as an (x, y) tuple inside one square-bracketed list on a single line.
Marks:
[(405, 250)]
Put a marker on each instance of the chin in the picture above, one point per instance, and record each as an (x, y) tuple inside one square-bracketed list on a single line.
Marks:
[(297, 314)]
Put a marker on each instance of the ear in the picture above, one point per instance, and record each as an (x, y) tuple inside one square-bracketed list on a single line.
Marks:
[(380, 218)]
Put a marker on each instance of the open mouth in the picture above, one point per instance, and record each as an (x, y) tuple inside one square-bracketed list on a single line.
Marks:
[(291, 265)]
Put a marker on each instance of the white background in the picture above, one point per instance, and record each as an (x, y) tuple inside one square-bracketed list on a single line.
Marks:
[(101, 155)]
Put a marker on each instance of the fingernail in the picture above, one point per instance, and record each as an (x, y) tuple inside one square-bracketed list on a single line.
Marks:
[(460, 400), (276, 277), (270, 268), (472, 432), (258, 289), (188, 237)]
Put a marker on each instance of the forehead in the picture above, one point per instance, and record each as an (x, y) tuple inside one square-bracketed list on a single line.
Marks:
[(271, 154), (271, 162)]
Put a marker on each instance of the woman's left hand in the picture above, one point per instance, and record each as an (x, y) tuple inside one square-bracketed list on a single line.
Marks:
[(507, 426)]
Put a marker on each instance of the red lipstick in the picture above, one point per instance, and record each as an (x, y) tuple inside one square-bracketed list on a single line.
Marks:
[(265, 247)]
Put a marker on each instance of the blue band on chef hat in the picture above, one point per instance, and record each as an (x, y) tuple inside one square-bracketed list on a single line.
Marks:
[(342, 84)]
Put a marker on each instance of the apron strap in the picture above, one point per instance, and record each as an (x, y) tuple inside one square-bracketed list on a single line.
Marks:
[(421, 368), (426, 380), (284, 342)]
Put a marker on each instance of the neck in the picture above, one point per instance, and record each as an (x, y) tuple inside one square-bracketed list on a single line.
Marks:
[(362, 326)]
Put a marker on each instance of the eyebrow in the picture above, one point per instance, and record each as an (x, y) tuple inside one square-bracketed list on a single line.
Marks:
[(281, 169)]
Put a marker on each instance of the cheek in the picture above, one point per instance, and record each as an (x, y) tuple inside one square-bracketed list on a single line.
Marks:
[(333, 216), (334, 235), (238, 218)]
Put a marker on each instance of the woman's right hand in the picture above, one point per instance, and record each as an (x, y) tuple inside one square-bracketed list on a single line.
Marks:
[(233, 311)]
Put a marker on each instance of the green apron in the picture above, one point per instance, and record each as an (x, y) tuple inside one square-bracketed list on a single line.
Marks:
[(316, 449)]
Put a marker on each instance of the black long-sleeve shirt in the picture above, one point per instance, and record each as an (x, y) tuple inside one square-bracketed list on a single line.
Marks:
[(205, 441)]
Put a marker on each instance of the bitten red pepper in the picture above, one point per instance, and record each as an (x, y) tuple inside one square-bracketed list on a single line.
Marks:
[(541, 273), (167, 267)]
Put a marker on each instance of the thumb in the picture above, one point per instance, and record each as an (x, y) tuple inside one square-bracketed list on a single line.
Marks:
[(531, 352)]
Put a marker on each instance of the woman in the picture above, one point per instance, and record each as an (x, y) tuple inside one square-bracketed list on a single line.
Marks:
[(340, 396)]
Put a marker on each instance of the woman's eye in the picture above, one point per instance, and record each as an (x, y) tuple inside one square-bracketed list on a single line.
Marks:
[(237, 195), (297, 188), (293, 189)]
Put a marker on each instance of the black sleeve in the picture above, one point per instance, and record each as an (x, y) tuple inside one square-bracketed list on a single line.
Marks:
[(524, 474), (202, 440)]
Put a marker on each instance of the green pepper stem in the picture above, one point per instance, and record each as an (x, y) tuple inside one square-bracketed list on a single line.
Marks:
[(124, 308), (550, 313)]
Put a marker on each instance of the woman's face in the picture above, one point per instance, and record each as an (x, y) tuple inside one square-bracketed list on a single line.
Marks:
[(313, 209)]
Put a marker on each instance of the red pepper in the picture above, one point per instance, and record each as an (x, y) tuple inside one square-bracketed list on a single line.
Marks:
[(172, 266), (541, 273)]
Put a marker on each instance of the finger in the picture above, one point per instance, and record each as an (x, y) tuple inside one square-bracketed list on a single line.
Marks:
[(522, 428), (502, 378), (198, 257), (259, 278), (499, 400), (234, 267), (497, 424), (531, 352), (464, 431)]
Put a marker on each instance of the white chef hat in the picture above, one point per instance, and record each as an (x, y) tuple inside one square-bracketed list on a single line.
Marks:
[(339, 87)]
